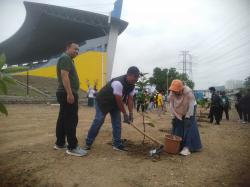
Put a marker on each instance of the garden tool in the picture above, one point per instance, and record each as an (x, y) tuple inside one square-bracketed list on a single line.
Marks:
[(155, 151)]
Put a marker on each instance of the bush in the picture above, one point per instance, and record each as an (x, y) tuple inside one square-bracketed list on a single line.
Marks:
[(5, 79), (202, 102), (14, 69)]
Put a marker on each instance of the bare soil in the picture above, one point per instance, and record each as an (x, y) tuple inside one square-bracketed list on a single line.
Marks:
[(27, 157)]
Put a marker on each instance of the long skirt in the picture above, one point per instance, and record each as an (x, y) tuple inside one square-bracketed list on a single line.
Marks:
[(189, 134)]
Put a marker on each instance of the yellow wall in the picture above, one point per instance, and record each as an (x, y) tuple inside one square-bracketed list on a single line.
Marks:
[(88, 66)]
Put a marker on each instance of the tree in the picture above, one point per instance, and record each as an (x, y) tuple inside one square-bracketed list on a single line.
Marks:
[(162, 78), (186, 80), (159, 78), (5, 79)]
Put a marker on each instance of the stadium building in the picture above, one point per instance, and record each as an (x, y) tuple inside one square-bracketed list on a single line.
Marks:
[(47, 28)]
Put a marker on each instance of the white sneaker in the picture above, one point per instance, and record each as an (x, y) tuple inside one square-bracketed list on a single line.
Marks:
[(77, 152), (185, 151)]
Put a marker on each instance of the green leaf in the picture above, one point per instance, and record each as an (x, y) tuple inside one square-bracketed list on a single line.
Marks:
[(3, 109), (143, 74), (2, 60), (3, 87)]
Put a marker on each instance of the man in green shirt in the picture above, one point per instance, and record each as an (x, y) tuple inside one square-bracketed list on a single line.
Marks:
[(67, 96)]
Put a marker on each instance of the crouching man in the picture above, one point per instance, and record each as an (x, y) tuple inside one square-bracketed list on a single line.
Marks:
[(110, 99)]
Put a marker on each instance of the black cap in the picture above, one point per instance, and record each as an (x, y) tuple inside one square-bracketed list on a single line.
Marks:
[(212, 89), (133, 70)]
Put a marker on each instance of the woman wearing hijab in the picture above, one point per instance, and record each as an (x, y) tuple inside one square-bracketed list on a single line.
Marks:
[(182, 102)]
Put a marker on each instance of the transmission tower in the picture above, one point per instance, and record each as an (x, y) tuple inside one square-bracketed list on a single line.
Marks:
[(186, 63)]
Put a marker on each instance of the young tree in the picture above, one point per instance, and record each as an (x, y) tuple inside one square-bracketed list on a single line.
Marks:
[(143, 82)]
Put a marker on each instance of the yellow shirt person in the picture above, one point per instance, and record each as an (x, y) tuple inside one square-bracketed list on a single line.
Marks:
[(160, 100)]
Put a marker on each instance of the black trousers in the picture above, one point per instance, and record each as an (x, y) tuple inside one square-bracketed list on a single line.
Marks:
[(67, 121), (215, 113), (140, 105), (225, 109), (239, 111), (246, 116)]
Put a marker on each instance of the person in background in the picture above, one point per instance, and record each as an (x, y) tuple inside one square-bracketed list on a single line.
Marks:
[(95, 94), (91, 96), (245, 107), (95, 86), (215, 107), (151, 103), (165, 98), (91, 93), (182, 101), (140, 97), (156, 99), (238, 108), (225, 104), (160, 103)]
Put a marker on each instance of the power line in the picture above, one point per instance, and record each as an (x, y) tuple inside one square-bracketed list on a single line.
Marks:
[(220, 71), (218, 34), (230, 51), (226, 53), (228, 40), (214, 68)]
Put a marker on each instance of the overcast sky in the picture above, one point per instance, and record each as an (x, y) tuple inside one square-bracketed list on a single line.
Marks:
[(215, 32)]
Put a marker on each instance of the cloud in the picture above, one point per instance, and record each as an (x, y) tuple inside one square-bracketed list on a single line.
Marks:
[(216, 33)]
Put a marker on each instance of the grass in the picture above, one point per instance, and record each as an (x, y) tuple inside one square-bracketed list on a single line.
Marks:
[(18, 90), (46, 85)]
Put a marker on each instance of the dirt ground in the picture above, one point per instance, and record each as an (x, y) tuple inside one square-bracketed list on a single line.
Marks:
[(27, 157)]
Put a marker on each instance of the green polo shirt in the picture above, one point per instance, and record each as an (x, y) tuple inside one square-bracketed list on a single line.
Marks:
[(65, 62)]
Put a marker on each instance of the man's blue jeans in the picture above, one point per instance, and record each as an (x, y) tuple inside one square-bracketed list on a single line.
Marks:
[(98, 122)]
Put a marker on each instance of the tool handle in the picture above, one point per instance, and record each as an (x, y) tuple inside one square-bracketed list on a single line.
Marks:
[(148, 136)]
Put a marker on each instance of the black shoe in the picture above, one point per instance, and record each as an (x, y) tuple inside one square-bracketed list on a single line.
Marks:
[(120, 148), (124, 141)]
